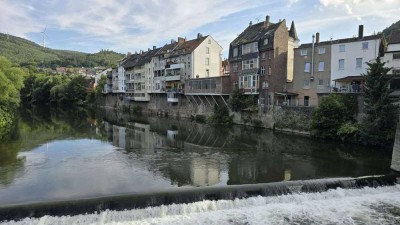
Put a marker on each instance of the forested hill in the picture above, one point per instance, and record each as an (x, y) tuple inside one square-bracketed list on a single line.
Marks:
[(24, 52), (388, 30)]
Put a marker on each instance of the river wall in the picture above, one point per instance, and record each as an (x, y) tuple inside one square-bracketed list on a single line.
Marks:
[(281, 118)]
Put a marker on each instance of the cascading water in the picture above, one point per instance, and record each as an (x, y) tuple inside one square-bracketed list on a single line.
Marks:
[(367, 205), (377, 195)]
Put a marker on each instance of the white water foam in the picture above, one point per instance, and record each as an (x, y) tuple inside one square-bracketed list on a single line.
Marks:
[(341, 206)]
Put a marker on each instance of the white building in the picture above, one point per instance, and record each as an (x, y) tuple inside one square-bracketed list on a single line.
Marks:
[(197, 58), (118, 77), (392, 53), (348, 60)]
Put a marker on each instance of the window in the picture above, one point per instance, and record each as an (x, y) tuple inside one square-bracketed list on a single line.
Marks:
[(306, 83), (341, 64), (306, 100), (209, 41), (396, 56), (235, 52), (262, 71), (303, 52), (248, 81), (269, 55), (321, 66), (265, 41), (263, 55), (188, 64), (396, 71), (365, 45), (250, 48), (207, 50), (235, 67), (249, 64), (320, 82), (207, 61), (207, 73), (269, 70), (307, 67), (321, 50), (359, 63), (342, 48)]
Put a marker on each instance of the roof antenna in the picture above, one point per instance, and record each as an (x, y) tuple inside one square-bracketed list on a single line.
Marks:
[(257, 18)]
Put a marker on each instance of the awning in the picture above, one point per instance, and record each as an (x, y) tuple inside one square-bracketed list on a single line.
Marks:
[(350, 79)]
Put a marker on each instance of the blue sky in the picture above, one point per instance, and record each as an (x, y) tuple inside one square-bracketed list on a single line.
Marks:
[(133, 25)]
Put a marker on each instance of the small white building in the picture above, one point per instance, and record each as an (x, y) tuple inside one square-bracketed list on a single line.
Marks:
[(348, 60), (392, 53)]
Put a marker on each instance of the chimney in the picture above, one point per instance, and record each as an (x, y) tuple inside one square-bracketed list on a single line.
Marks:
[(154, 47), (181, 40), (251, 23), (361, 31), (148, 49), (317, 38), (199, 35), (172, 41), (266, 23)]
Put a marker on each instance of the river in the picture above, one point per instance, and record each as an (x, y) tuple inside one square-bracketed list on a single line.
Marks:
[(70, 154)]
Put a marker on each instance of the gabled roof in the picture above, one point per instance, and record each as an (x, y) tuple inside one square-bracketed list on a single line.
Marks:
[(394, 37), (167, 48), (187, 47), (255, 32), (293, 32)]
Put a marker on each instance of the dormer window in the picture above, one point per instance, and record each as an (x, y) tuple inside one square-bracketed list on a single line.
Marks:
[(266, 41)]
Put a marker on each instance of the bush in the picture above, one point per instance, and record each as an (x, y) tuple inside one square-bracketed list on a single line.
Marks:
[(6, 121), (330, 115), (200, 118), (221, 115), (137, 110), (349, 131)]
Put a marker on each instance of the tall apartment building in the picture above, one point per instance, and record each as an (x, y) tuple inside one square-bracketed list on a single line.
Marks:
[(312, 70), (173, 63), (260, 59)]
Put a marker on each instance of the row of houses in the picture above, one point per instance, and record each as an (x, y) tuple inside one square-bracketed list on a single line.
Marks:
[(265, 60)]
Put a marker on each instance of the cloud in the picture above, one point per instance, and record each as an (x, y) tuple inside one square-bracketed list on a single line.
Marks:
[(121, 24), (15, 18)]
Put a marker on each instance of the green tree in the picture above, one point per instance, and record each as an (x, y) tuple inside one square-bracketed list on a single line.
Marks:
[(11, 82), (379, 123), (100, 86), (330, 115)]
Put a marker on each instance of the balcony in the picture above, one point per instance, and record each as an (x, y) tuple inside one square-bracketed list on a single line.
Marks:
[(208, 86), (175, 66), (172, 77)]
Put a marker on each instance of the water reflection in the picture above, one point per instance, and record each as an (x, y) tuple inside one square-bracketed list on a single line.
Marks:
[(75, 153)]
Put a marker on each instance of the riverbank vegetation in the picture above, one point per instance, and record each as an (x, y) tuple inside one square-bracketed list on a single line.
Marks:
[(335, 118), (11, 82)]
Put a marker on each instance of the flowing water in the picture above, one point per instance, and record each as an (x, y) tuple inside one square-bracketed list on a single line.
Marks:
[(352, 206), (55, 155)]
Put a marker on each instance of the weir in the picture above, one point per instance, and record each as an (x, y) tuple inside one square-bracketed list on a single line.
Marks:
[(188, 195)]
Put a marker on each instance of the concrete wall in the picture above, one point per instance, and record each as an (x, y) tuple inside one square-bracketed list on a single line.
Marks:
[(396, 151)]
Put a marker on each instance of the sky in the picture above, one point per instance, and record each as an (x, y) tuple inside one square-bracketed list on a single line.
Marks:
[(134, 25)]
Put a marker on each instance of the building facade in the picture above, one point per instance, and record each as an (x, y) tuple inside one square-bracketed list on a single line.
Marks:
[(259, 59), (312, 70), (348, 60)]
